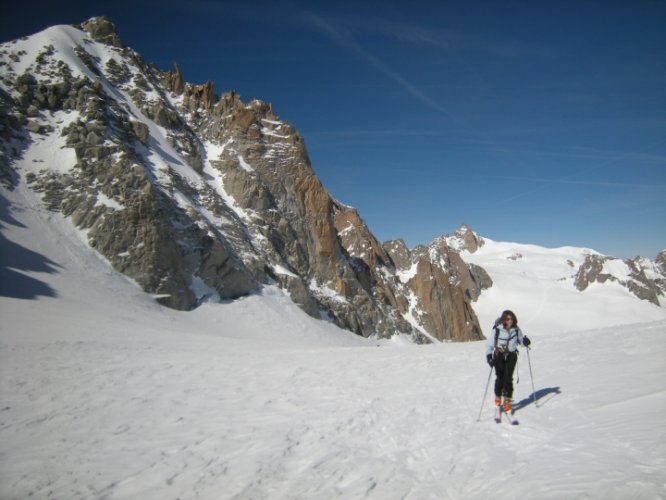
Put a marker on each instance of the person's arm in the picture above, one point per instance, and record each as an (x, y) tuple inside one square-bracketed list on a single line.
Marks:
[(490, 343)]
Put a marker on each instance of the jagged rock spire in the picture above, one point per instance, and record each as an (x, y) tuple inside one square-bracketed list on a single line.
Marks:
[(202, 196), (176, 83), (102, 30)]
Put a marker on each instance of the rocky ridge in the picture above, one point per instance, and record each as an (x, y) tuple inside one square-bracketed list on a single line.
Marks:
[(642, 277), (438, 287), (194, 194)]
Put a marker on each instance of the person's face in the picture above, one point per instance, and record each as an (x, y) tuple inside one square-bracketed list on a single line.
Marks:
[(508, 321)]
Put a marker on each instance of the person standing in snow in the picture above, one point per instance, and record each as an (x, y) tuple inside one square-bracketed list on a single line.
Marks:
[(502, 354)]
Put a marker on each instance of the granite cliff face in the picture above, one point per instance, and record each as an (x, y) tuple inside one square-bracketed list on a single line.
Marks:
[(196, 195), (439, 286)]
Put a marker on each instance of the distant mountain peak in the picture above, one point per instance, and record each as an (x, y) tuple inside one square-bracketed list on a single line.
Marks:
[(463, 239), (200, 196), (102, 30), (197, 196), (580, 281)]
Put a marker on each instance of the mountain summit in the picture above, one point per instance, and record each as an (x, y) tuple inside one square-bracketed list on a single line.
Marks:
[(196, 195)]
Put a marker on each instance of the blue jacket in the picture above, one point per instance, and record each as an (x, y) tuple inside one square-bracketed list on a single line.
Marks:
[(509, 339)]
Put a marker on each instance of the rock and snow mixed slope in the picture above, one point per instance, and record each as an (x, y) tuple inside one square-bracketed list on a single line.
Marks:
[(198, 196), (107, 394), (563, 289), (195, 195)]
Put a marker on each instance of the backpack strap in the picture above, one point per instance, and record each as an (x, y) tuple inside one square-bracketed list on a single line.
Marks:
[(516, 335), (511, 336)]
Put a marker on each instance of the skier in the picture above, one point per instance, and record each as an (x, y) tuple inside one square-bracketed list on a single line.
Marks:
[(502, 353)]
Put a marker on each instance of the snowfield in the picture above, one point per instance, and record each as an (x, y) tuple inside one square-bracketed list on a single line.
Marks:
[(538, 283), (105, 394)]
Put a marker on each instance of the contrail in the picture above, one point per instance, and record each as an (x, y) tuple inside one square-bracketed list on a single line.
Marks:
[(570, 181), (569, 178), (345, 39)]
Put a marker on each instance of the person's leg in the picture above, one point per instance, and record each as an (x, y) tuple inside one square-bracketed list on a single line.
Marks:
[(510, 364), (499, 378), (507, 386)]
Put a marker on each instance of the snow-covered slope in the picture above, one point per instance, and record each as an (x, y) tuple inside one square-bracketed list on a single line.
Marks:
[(106, 394), (56, 269), (537, 283), (194, 194)]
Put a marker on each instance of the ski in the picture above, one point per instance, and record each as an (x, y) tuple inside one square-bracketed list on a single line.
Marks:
[(498, 415), (511, 418)]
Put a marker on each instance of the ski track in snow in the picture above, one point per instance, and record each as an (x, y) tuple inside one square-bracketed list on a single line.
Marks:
[(105, 394)]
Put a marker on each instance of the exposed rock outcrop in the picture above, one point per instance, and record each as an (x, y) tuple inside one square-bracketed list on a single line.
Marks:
[(631, 274), (194, 195), (438, 289), (197, 97), (660, 261), (465, 239), (102, 30), (174, 81)]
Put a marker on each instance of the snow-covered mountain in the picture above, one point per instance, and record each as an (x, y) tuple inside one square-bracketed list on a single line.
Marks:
[(197, 196), (107, 394), (562, 289)]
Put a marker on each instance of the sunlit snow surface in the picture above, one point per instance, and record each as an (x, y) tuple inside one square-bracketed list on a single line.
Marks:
[(537, 283), (106, 394)]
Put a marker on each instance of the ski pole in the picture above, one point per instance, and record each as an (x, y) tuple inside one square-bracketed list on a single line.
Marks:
[(485, 393), (532, 378)]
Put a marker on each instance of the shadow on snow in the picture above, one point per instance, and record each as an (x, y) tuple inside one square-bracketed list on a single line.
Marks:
[(538, 395), (15, 258)]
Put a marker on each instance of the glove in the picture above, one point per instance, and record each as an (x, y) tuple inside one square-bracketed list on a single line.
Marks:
[(489, 357), (526, 341)]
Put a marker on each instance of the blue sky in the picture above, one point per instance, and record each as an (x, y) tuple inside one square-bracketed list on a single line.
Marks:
[(535, 122)]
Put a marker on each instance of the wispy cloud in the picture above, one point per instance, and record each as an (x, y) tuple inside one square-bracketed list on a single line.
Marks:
[(574, 182), (345, 39), (573, 178), (585, 154), (382, 133), (459, 41)]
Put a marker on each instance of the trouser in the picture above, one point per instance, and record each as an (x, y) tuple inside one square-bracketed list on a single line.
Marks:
[(504, 366)]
